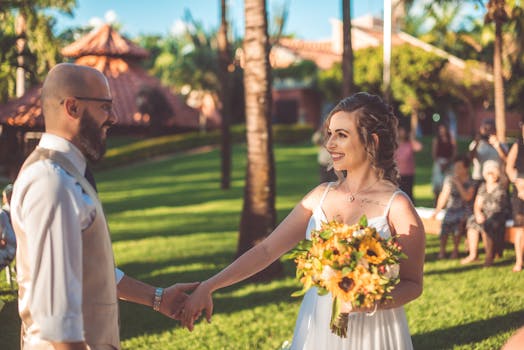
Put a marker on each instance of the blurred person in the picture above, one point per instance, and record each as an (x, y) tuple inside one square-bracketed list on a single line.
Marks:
[(68, 284), (516, 341), (484, 147), (515, 173), (7, 234), (456, 196), (489, 215), (443, 149), (405, 158)]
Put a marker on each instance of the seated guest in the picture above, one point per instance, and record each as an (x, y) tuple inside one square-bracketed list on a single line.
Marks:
[(515, 172), (456, 196), (489, 215)]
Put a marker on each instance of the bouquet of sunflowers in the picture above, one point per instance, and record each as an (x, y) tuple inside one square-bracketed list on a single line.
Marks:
[(352, 262)]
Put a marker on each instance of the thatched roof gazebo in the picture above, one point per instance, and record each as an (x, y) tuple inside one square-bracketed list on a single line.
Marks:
[(140, 101)]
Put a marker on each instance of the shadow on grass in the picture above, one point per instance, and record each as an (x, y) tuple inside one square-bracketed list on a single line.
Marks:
[(137, 320), (181, 224), (468, 267), (10, 326), (473, 332)]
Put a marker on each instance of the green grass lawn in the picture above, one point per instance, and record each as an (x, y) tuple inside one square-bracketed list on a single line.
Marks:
[(170, 222)]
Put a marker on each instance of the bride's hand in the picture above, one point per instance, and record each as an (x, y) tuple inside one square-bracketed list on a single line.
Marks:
[(345, 307), (369, 310), (199, 300)]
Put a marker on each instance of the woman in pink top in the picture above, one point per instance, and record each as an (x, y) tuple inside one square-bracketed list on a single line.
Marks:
[(405, 157)]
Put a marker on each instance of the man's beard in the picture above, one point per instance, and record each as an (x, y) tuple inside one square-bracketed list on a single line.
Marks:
[(90, 139)]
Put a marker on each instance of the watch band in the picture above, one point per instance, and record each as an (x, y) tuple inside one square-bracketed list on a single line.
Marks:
[(158, 298)]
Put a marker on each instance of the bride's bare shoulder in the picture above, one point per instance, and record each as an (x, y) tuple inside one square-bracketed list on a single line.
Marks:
[(313, 198)]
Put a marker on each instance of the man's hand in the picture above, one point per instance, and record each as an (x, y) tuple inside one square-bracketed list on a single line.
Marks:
[(174, 298), (199, 300)]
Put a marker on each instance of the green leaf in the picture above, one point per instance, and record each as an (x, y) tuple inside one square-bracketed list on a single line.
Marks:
[(322, 291), (299, 293), (326, 234), (363, 221), (346, 270)]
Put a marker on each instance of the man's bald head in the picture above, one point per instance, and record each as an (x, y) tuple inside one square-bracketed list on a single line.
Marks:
[(69, 80)]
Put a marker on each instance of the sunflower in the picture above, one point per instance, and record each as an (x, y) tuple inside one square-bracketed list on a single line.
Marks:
[(343, 286), (372, 250)]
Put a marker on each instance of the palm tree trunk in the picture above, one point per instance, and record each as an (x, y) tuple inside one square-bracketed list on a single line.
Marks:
[(20, 28), (500, 105), (224, 56), (258, 212), (347, 53), (496, 12)]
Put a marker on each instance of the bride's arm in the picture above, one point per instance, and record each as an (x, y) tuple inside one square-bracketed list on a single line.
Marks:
[(290, 231), (406, 223)]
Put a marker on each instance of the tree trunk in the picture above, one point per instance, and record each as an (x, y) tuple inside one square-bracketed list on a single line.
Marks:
[(258, 212), (224, 57), (20, 30), (414, 123), (347, 54), (500, 105)]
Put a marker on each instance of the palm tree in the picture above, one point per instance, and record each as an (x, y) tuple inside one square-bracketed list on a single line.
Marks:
[(347, 53), (497, 13), (35, 47), (258, 212), (224, 58)]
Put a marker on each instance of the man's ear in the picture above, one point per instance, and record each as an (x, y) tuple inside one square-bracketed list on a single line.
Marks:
[(71, 107), (375, 140)]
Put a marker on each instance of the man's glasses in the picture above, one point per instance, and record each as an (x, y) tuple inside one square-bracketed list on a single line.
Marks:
[(97, 99)]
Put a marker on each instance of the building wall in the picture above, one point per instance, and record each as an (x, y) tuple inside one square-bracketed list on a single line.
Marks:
[(308, 102)]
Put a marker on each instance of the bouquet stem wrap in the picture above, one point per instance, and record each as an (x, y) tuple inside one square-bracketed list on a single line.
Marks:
[(339, 320)]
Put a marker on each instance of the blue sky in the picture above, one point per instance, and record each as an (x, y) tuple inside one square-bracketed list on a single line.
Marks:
[(308, 19)]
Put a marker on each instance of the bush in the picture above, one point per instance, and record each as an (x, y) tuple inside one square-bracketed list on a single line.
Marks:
[(152, 147)]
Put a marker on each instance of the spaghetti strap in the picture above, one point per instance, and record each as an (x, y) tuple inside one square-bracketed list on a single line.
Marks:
[(324, 194), (386, 211)]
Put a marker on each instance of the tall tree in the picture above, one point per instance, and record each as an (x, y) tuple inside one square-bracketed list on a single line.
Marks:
[(347, 53), (36, 48), (224, 58), (258, 212), (496, 13)]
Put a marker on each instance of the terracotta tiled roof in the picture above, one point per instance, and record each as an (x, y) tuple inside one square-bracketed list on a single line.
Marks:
[(125, 81), (105, 41), (319, 52), (363, 34), (25, 111), (126, 78)]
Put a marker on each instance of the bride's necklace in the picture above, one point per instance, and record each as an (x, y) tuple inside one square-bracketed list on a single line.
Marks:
[(350, 197)]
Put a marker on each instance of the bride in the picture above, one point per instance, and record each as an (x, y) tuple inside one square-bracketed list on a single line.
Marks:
[(361, 138)]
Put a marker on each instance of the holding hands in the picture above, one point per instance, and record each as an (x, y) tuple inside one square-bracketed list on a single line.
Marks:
[(193, 305), (174, 297)]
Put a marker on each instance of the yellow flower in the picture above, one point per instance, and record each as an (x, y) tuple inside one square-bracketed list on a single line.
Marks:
[(372, 250), (343, 286)]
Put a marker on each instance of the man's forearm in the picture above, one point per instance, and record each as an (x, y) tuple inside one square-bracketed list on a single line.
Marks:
[(136, 291)]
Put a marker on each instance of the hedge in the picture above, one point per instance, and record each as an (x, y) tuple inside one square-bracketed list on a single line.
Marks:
[(156, 146)]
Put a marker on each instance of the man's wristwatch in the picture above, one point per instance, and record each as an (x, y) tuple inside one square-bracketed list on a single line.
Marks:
[(158, 299)]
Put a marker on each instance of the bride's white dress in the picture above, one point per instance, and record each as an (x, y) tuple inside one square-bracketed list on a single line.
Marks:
[(384, 330)]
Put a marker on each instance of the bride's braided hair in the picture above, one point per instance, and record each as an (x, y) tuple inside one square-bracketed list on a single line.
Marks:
[(374, 117)]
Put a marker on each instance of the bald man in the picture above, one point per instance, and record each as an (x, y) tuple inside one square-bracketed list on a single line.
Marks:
[(68, 283)]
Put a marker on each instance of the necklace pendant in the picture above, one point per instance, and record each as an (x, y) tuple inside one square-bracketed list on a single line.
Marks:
[(350, 198)]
